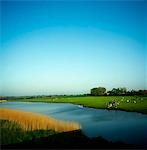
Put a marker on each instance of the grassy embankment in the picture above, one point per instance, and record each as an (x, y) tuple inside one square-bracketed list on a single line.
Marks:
[(14, 137), (30, 121), (136, 103), (17, 126), (12, 132)]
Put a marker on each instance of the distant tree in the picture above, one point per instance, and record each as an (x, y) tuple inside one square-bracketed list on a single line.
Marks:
[(98, 91), (145, 92), (133, 92), (94, 92), (128, 93), (117, 91), (123, 91), (140, 92), (113, 92)]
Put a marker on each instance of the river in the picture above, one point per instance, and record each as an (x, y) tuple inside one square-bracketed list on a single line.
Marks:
[(113, 125)]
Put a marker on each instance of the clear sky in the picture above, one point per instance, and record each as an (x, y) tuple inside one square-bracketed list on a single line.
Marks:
[(50, 47)]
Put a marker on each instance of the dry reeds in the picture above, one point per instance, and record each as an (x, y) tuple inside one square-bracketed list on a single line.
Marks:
[(3, 100), (31, 121)]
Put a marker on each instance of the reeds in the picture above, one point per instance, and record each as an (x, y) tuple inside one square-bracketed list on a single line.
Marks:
[(30, 121), (3, 100)]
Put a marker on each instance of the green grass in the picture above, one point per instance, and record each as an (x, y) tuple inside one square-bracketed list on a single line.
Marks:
[(12, 133), (98, 102)]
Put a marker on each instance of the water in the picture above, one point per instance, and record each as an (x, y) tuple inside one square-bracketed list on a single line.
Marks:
[(128, 127)]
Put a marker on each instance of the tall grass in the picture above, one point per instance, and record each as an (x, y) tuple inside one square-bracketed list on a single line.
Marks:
[(30, 121), (3, 100), (11, 132)]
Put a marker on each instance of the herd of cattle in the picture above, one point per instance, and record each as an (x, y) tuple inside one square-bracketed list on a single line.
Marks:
[(115, 103)]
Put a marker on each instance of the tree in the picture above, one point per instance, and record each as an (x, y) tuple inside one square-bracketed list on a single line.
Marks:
[(140, 92), (118, 91), (98, 91), (145, 93), (123, 91)]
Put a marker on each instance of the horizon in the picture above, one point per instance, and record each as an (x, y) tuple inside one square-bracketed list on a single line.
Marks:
[(74, 94), (57, 48)]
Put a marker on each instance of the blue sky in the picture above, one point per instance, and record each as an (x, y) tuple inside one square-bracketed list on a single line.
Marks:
[(50, 47)]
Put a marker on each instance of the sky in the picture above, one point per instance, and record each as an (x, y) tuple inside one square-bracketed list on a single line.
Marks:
[(69, 47)]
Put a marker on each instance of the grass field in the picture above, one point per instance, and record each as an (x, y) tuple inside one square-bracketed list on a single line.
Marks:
[(136, 103)]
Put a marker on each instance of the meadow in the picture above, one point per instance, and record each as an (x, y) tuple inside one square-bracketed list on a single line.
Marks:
[(126, 103)]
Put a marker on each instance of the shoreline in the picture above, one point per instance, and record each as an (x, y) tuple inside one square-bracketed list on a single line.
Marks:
[(118, 109)]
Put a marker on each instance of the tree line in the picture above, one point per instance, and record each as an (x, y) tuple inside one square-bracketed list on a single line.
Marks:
[(100, 91), (97, 91)]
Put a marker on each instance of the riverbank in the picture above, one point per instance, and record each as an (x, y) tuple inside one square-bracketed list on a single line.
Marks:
[(29, 121), (13, 136), (126, 103)]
